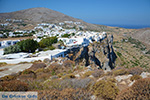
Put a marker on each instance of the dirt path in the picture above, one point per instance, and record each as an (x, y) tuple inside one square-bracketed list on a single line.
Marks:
[(13, 69)]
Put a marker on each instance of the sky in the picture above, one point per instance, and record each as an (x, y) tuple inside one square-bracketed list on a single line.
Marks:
[(111, 12)]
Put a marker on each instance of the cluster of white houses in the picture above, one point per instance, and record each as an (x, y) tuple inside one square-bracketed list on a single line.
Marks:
[(7, 43), (80, 38)]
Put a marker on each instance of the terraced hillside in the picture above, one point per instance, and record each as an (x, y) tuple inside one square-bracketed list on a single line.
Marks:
[(131, 54)]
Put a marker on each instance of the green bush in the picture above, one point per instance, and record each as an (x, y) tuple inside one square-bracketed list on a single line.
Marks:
[(65, 35), (106, 90), (12, 49), (140, 90), (49, 48), (148, 52), (47, 42), (28, 45), (119, 54)]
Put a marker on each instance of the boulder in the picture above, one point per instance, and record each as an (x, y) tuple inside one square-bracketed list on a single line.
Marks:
[(145, 74)]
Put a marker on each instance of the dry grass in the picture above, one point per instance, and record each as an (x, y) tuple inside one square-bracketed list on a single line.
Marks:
[(3, 69), (13, 85), (3, 64), (68, 76), (135, 77), (36, 66), (87, 74), (135, 70), (106, 90), (140, 90), (66, 94), (17, 38)]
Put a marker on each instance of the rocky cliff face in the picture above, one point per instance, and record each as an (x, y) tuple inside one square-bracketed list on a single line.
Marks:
[(98, 55)]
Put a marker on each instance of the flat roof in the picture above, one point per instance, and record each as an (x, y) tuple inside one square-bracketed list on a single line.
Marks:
[(51, 52)]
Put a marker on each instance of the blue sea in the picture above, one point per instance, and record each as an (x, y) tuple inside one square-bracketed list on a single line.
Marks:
[(130, 26)]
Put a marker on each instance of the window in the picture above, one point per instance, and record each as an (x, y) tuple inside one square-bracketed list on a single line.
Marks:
[(9, 43)]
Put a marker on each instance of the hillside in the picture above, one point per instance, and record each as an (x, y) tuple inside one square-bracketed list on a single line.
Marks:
[(43, 15), (142, 35), (37, 15)]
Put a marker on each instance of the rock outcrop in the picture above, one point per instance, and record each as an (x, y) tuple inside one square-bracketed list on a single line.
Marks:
[(83, 55), (104, 48)]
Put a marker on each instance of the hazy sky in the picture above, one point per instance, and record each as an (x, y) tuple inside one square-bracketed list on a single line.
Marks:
[(122, 12)]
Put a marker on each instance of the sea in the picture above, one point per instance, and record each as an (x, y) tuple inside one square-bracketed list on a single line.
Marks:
[(129, 26)]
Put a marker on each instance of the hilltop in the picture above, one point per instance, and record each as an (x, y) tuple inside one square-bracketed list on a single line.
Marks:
[(35, 16)]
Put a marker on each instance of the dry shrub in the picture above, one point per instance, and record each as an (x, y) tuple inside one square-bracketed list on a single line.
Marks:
[(116, 68), (36, 66), (119, 72), (98, 73), (55, 67), (2, 64), (69, 83), (68, 76), (111, 80), (87, 74), (39, 70), (66, 94), (37, 61), (47, 70), (135, 77), (60, 75), (46, 60), (43, 76), (27, 71), (106, 90), (68, 63), (42, 70), (3, 69), (26, 75), (34, 85), (25, 62), (140, 90), (109, 73), (13, 85), (8, 78), (148, 70), (135, 70)]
